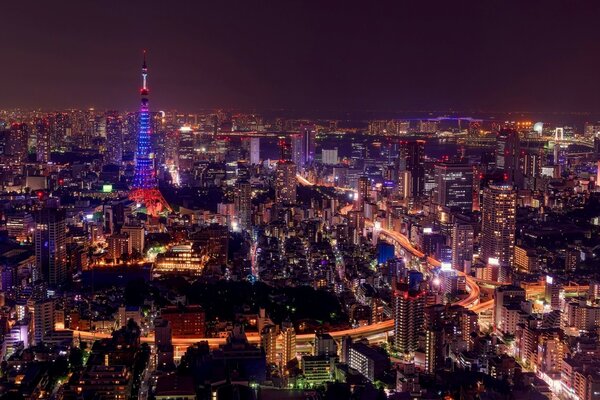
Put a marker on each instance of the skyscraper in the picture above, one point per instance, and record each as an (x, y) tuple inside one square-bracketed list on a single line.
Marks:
[(303, 146), (17, 143), (243, 204), (145, 187), (498, 224), (408, 318), (508, 156), (285, 182), (254, 151), (42, 135), (454, 186), (114, 139), (412, 158), (44, 318), (362, 192), (268, 341), (462, 246), (50, 245), (289, 341)]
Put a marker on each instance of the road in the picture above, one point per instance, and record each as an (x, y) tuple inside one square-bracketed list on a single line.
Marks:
[(376, 333)]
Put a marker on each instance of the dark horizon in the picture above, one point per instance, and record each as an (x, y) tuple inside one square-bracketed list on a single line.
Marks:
[(537, 56)]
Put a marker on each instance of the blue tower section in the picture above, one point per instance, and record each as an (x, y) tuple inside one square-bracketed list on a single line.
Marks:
[(144, 177)]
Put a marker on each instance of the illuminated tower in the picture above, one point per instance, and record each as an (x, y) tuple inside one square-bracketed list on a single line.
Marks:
[(144, 172), (498, 219), (145, 187)]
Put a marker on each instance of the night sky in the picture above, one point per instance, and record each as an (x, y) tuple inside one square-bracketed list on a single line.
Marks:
[(303, 55)]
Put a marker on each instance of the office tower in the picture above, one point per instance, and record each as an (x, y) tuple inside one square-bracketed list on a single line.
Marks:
[(43, 319), (285, 149), (285, 182), (454, 186), (362, 192), (136, 236), (289, 341), (42, 135), (254, 151), (243, 204), (412, 159), (298, 150), (145, 187), (268, 341), (498, 222), (508, 295), (463, 238), (50, 245), (408, 308), (358, 154), (508, 156), (329, 156), (303, 146), (114, 139), (16, 144)]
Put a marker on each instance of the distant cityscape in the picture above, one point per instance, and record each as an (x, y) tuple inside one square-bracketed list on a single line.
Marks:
[(179, 256)]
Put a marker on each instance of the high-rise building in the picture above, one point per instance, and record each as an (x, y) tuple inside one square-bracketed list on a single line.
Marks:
[(434, 349), (136, 234), (298, 150), (285, 149), (454, 186), (16, 147), (254, 151), (268, 341), (285, 182), (508, 156), (412, 158), (505, 296), (289, 341), (114, 139), (243, 204), (50, 245), (498, 224), (362, 192), (44, 317), (42, 134), (463, 238), (408, 318), (163, 340), (329, 156), (303, 146), (60, 127)]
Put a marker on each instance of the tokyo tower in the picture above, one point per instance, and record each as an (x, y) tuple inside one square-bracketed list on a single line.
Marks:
[(145, 187)]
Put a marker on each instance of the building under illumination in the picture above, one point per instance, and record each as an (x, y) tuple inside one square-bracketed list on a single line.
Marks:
[(285, 183), (498, 224), (408, 308), (181, 259)]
